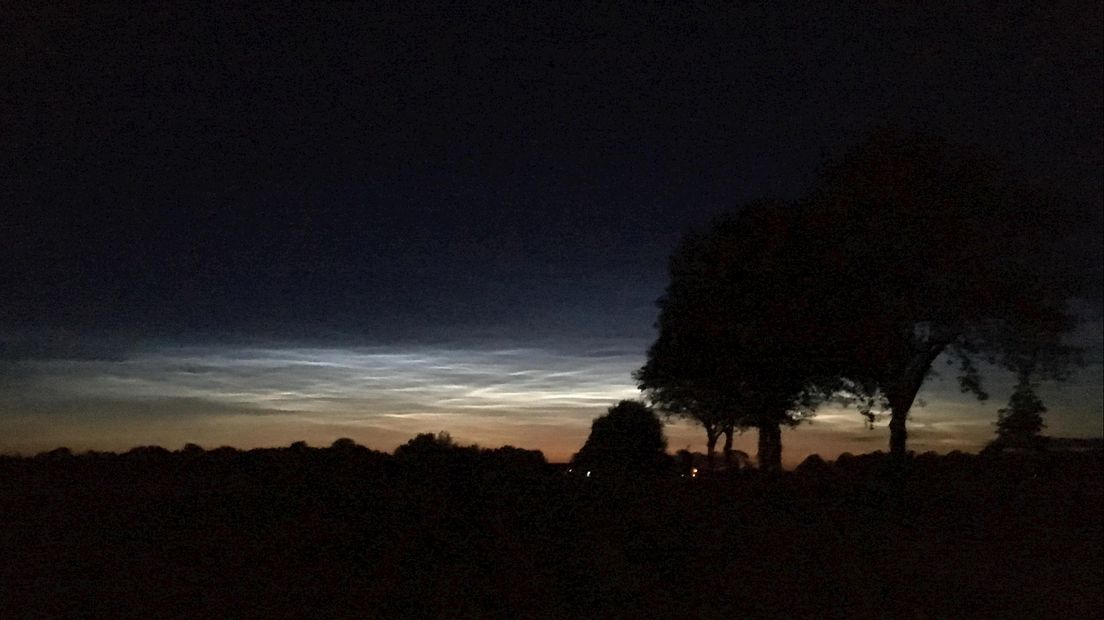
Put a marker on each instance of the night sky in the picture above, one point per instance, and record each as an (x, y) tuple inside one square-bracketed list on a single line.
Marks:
[(251, 227)]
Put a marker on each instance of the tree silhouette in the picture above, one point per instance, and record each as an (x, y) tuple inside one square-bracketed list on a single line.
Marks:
[(344, 444), (706, 411), (924, 248), (628, 439), (1020, 424), (426, 445), (192, 449), (739, 337), (516, 459)]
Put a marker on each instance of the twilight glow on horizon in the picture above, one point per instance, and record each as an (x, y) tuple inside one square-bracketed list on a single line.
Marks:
[(535, 395)]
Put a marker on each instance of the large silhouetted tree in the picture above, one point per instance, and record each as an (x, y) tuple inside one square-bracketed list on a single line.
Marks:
[(629, 438), (909, 248), (931, 248), (739, 343)]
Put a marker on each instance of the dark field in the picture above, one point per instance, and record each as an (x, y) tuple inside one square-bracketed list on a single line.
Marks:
[(354, 533)]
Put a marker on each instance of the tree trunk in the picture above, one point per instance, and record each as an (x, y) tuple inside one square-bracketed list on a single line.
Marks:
[(904, 394), (776, 448), (898, 432), (770, 447), (728, 446), (711, 435)]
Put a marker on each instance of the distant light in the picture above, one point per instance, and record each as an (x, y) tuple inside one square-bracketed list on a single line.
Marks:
[(694, 473), (588, 474)]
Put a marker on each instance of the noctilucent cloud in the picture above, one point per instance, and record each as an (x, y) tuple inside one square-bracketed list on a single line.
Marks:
[(529, 394)]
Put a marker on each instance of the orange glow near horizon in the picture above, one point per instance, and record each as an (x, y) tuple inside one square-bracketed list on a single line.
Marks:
[(528, 397)]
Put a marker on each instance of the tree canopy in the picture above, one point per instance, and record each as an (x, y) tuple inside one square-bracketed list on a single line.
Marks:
[(936, 248), (738, 334)]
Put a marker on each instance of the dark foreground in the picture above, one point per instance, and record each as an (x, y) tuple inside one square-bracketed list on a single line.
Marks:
[(352, 533)]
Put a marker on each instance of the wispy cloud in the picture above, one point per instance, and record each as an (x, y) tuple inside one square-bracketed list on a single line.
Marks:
[(406, 387)]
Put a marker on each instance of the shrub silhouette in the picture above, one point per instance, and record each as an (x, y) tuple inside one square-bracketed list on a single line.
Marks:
[(628, 439), (344, 444), (813, 465), (56, 454), (515, 459), (425, 444), (192, 449), (437, 455)]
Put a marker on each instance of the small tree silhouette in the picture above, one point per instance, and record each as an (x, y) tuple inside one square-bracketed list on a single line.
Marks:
[(629, 438), (426, 443), (344, 444), (437, 451), (192, 449), (1020, 424)]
